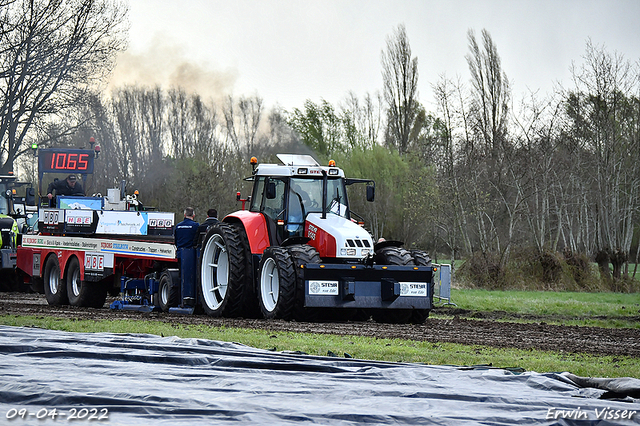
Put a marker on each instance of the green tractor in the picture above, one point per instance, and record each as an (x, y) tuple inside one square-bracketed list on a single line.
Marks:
[(16, 217)]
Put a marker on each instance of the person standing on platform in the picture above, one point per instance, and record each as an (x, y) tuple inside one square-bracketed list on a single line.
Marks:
[(187, 230)]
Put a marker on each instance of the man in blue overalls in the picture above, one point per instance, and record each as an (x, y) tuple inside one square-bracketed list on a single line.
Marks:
[(184, 234), (186, 230)]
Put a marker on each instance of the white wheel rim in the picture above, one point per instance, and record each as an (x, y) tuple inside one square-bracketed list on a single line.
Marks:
[(75, 282), (214, 272), (54, 279), (269, 284), (164, 294)]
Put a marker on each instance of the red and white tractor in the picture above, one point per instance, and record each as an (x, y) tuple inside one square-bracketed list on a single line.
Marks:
[(298, 252)]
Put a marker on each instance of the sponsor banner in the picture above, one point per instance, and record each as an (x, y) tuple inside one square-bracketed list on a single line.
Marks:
[(79, 222), (83, 203), (100, 245), (122, 223), (323, 288), (97, 261), (79, 217), (416, 289), (51, 220), (160, 223)]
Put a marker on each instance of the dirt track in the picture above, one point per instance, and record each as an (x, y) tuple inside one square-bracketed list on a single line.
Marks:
[(538, 335)]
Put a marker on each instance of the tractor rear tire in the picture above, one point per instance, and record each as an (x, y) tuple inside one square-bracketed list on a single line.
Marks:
[(83, 293), (224, 278), (392, 256), (168, 290), (54, 289), (302, 255), (277, 283), (421, 258)]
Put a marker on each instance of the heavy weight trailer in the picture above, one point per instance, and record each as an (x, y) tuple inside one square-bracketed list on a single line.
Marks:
[(83, 252)]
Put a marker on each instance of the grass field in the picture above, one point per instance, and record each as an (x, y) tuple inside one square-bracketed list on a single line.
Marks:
[(372, 348), (567, 308)]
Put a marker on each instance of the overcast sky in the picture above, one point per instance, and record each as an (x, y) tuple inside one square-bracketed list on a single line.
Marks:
[(287, 51)]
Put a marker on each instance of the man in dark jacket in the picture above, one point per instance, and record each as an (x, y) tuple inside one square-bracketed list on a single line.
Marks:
[(187, 230), (212, 219), (69, 186)]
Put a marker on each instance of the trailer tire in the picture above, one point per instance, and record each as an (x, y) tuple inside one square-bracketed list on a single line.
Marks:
[(224, 286), (37, 285), (83, 293), (277, 283), (54, 289), (392, 256), (168, 293), (303, 254), (421, 258)]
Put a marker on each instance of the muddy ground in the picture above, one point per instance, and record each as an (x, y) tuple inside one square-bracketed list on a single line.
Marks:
[(467, 327)]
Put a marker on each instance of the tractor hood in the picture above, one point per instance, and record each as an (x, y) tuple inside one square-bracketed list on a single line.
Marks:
[(336, 236)]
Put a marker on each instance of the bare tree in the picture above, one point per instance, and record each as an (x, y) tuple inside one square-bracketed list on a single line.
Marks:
[(400, 80), (452, 223), (51, 53), (491, 94), (242, 127), (605, 115), (488, 149), (362, 119)]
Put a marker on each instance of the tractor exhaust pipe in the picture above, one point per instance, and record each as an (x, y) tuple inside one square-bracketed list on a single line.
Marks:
[(325, 183)]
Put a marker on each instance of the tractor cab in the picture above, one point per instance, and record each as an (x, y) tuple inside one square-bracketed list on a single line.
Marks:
[(288, 194), (19, 207), (300, 198), (288, 200)]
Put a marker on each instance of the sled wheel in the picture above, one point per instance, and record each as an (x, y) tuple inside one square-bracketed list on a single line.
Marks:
[(83, 293), (54, 290), (168, 293)]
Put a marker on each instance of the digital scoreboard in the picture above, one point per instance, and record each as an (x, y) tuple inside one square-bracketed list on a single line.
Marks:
[(65, 161)]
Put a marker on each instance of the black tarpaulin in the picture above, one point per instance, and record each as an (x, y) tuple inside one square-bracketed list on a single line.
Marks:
[(146, 379)]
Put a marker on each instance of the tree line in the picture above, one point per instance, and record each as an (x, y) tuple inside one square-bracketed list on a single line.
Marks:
[(483, 174)]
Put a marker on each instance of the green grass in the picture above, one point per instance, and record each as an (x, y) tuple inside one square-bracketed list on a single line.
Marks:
[(568, 304), (631, 266), (394, 350)]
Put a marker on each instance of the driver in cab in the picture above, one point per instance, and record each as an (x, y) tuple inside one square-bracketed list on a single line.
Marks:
[(69, 186)]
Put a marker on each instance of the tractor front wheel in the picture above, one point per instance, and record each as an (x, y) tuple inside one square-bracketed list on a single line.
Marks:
[(421, 258), (302, 255), (392, 256), (277, 283)]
